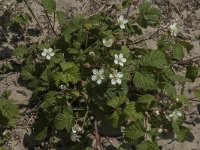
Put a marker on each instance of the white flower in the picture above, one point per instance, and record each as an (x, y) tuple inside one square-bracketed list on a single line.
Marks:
[(62, 87), (108, 43), (76, 128), (48, 53), (177, 99), (160, 130), (174, 29), (119, 59), (174, 115), (98, 75), (121, 21), (157, 112), (116, 77)]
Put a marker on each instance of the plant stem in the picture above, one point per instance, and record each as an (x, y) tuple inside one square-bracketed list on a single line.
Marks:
[(50, 22), (29, 8)]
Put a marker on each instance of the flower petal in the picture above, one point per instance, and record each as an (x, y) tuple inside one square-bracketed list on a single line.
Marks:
[(94, 78), (125, 21), (116, 61), (113, 81), (48, 57), (121, 63), (123, 60), (120, 56), (95, 71), (45, 50), (101, 71), (116, 56), (122, 26), (50, 50), (43, 54), (121, 17), (120, 75), (52, 54), (99, 81), (119, 81)]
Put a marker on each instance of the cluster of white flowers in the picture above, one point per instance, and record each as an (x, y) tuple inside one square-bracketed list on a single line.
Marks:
[(48, 53), (115, 76), (174, 115)]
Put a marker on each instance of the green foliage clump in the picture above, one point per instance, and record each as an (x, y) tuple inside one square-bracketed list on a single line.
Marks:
[(92, 70)]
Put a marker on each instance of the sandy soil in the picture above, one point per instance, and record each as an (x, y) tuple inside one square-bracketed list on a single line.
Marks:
[(187, 11)]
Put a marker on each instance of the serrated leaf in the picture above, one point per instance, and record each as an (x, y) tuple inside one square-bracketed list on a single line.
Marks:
[(180, 131), (179, 78), (178, 52), (115, 119), (117, 101), (20, 51), (135, 131), (141, 20), (64, 120), (146, 100), (61, 17), (40, 127), (170, 90), (151, 13), (155, 59), (27, 72), (132, 113), (144, 81), (186, 45), (192, 72), (8, 112), (49, 99), (147, 145), (49, 5)]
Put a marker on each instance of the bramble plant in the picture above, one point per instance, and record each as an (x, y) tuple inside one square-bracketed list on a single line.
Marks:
[(92, 71)]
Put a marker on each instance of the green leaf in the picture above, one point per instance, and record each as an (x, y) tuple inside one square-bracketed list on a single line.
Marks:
[(135, 131), (144, 81), (20, 51), (146, 100), (6, 94), (71, 73), (183, 99), (115, 119), (141, 20), (8, 112), (180, 131), (192, 72), (186, 45), (151, 13), (125, 3), (171, 90), (40, 127), (197, 93), (147, 145), (178, 52), (132, 113), (64, 120), (49, 5), (179, 78), (155, 59), (61, 17), (27, 72), (117, 101), (49, 99)]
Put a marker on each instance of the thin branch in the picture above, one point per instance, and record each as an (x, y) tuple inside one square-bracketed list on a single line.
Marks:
[(187, 61), (49, 20), (97, 137), (29, 8)]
